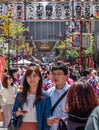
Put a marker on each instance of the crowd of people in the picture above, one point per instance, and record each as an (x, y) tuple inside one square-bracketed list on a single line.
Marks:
[(41, 96)]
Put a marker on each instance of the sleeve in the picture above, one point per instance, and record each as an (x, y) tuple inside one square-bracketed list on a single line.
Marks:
[(47, 113), (93, 121), (16, 104), (92, 124), (3, 100)]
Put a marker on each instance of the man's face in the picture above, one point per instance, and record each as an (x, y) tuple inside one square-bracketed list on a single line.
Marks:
[(59, 78)]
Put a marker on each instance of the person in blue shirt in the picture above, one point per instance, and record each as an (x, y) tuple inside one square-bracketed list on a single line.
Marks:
[(59, 73), (32, 107)]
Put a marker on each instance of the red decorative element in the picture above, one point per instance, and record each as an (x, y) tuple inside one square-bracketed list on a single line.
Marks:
[(80, 61), (2, 63), (91, 64)]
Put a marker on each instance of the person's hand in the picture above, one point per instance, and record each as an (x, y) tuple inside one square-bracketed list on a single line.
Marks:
[(98, 85), (20, 112), (53, 120)]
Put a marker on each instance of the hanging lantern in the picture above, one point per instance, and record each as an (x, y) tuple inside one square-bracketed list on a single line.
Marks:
[(19, 10), (67, 9), (96, 9), (49, 10), (87, 10), (58, 10), (77, 10), (30, 10), (39, 10)]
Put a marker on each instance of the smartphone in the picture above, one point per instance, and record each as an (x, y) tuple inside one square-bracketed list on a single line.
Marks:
[(53, 117), (24, 111)]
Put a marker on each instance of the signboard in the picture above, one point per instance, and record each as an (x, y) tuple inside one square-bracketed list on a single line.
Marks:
[(98, 42), (85, 40), (76, 40)]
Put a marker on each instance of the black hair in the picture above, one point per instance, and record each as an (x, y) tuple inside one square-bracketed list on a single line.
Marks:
[(60, 66), (86, 72), (32, 64), (11, 71)]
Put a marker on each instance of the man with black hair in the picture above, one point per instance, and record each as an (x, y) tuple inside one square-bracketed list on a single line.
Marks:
[(59, 73), (86, 75)]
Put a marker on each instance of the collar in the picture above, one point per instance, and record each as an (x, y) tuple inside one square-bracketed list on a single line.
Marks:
[(62, 90)]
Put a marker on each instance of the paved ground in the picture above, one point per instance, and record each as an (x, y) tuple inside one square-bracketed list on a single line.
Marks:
[(1, 123), (3, 129)]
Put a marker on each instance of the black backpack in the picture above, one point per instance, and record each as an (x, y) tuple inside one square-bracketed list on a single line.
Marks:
[(62, 124)]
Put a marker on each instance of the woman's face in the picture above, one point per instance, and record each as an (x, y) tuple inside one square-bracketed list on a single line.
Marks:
[(33, 79)]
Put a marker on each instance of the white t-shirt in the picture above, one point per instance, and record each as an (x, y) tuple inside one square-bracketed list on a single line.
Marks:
[(8, 94), (28, 106)]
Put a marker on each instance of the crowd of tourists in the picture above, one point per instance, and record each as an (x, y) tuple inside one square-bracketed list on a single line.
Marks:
[(50, 97)]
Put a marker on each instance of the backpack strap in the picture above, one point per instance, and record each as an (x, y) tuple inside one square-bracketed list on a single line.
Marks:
[(58, 101), (62, 125)]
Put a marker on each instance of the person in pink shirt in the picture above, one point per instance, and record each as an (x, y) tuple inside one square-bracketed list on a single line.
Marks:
[(47, 81)]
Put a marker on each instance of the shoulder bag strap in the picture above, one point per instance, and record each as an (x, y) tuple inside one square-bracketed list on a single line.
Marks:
[(58, 101), (62, 125)]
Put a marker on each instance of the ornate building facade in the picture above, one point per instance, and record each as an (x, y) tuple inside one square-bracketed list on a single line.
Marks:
[(48, 22)]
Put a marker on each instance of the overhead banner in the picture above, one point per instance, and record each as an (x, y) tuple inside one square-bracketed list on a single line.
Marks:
[(2, 64), (53, 10)]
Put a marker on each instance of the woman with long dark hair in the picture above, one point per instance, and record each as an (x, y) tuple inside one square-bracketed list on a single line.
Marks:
[(32, 107)]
